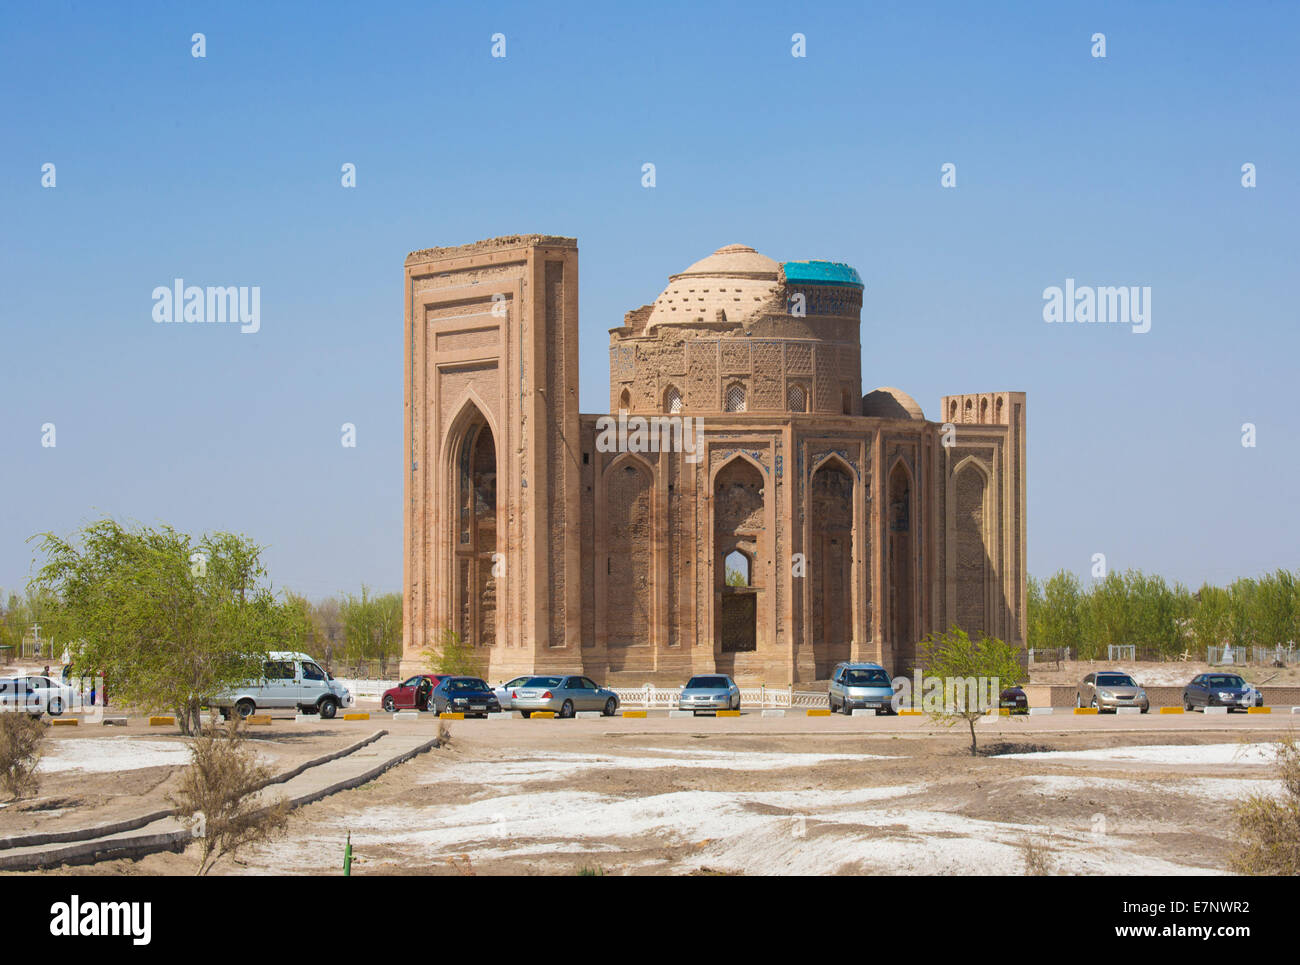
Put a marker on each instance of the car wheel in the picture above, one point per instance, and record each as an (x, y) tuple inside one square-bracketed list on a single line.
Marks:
[(245, 708), (611, 707), (327, 709), (389, 704), (566, 709), (55, 706), (830, 701), (1095, 706), (1078, 701), (525, 714)]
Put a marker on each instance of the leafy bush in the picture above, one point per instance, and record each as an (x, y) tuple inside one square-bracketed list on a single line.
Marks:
[(218, 795), (20, 751), (1268, 830)]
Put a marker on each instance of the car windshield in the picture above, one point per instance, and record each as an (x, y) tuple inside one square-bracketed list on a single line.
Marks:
[(866, 678), (1115, 680), (1226, 680), (544, 681), (707, 683), (466, 683)]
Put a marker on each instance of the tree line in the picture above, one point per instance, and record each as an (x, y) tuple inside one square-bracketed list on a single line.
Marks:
[(1160, 619), (172, 620)]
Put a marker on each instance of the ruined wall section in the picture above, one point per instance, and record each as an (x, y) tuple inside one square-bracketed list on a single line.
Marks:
[(979, 495)]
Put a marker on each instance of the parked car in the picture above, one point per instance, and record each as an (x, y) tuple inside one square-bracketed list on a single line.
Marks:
[(1221, 690), (860, 686), (709, 692), (464, 695), (1110, 690), (1014, 699), (36, 695), (564, 694), (411, 694), (288, 680), (503, 691)]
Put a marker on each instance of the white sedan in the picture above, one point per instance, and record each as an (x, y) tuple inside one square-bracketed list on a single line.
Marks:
[(36, 695)]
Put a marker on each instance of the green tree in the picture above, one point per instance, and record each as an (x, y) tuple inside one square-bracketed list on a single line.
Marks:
[(966, 665), (450, 655), (1060, 624), (1210, 617), (171, 621), (1274, 616), (372, 627)]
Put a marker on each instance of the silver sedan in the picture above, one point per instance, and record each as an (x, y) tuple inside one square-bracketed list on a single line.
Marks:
[(504, 691), (709, 692), (564, 694)]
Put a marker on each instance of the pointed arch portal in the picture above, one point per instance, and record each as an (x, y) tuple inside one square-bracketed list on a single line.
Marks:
[(474, 535)]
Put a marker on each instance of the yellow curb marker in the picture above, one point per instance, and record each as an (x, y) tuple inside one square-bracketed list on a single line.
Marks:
[(356, 716), (1259, 710), (64, 721), (1172, 710), (1085, 710), (162, 721), (264, 719), (911, 713), (814, 712), (728, 713), (451, 715), (634, 713)]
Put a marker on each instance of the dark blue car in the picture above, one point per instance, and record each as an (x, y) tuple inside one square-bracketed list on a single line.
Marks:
[(1221, 690), (464, 695)]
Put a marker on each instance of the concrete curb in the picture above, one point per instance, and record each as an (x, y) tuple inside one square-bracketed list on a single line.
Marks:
[(91, 852), (134, 824), (363, 778), (99, 849)]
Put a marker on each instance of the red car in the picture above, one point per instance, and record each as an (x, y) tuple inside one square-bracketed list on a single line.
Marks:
[(411, 694)]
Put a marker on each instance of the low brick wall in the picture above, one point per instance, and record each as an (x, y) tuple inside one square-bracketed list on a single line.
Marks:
[(1062, 695)]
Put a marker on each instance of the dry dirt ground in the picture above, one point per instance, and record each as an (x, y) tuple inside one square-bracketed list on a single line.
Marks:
[(751, 796)]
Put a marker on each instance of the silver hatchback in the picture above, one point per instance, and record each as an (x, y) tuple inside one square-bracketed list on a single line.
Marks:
[(860, 686), (709, 692)]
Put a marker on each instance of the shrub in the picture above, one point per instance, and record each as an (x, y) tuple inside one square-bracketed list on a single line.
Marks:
[(20, 751), (1268, 830), (218, 794), (452, 656)]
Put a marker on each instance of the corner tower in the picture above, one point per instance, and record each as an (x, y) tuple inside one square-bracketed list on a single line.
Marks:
[(490, 549)]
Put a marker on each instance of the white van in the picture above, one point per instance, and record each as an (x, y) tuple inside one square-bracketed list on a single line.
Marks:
[(288, 680)]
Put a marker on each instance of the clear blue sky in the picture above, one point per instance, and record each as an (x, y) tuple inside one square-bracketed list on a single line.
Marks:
[(225, 171)]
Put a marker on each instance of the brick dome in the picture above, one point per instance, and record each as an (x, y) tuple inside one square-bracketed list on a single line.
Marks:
[(733, 284)]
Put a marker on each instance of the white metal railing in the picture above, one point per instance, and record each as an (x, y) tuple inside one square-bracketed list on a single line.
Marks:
[(366, 688), (648, 696), (1272, 655), (1222, 656), (651, 697)]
